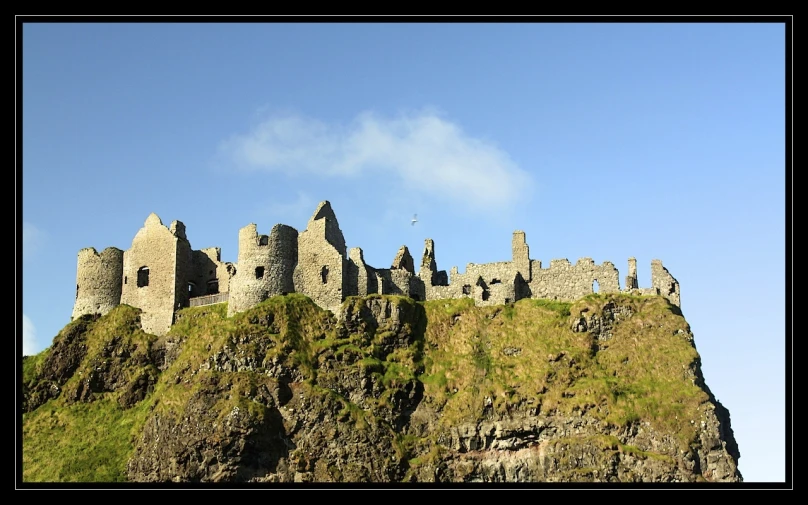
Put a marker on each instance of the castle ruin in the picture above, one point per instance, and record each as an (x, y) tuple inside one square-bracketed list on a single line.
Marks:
[(160, 273)]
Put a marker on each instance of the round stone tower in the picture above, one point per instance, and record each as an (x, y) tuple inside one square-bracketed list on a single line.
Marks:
[(265, 266), (98, 281)]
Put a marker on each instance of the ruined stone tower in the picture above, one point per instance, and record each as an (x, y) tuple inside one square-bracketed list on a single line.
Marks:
[(265, 267), (98, 281)]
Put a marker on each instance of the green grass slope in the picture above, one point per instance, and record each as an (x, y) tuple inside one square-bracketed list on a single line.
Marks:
[(472, 362)]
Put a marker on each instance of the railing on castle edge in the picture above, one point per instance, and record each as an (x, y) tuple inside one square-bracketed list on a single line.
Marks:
[(209, 299)]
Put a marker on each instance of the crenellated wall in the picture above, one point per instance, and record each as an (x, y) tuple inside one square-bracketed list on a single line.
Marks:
[(98, 281)]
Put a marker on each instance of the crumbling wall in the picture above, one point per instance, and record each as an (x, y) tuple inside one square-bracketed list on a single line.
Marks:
[(482, 281), (442, 292), (358, 275), (563, 281), (664, 283), (161, 273), (434, 283), (631, 279), (265, 268), (210, 274), (495, 294), (184, 271), (521, 254), (149, 273), (394, 281), (429, 268), (98, 281), (320, 270), (400, 278), (403, 260)]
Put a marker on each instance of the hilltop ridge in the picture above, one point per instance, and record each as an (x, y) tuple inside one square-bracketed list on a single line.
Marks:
[(607, 388)]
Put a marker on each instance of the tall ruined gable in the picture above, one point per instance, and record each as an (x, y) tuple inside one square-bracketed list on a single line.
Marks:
[(332, 232), (321, 265), (149, 270), (403, 260)]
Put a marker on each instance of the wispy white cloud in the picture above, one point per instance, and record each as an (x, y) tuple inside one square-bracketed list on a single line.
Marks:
[(29, 342), (424, 152), (32, 239)]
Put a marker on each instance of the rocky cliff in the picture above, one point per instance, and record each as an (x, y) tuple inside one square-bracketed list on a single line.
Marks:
[(607, 389)]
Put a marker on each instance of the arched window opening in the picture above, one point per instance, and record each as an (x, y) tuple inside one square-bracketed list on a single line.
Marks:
[(595, 286), (259, 272), (324, 274)]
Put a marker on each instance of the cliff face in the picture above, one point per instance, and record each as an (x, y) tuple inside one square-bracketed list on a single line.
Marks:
[(388, 390)]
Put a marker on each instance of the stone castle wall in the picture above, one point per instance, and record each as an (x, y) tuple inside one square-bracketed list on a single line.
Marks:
[(150, 275), (564, 281), (321, 262), (184, 267), (356, 272), (210, 275), (664, 284), (98, 281), (160, 273)]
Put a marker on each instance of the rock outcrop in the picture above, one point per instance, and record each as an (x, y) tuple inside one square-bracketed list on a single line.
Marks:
[(608, 389)]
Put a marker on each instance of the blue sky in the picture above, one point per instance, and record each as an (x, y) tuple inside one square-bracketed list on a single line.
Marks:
[(606, 140)]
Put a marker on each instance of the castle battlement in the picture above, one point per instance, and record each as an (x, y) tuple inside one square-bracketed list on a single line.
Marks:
[(160, 273)]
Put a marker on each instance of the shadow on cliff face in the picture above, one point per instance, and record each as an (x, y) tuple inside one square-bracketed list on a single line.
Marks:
[(230, 430), (60, 362), (389, 332), (721, 412)]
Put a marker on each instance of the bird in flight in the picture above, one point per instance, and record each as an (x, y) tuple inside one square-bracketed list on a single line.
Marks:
[(414, 219)]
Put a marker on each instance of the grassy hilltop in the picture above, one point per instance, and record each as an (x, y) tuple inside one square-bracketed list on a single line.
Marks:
[(608, 388)]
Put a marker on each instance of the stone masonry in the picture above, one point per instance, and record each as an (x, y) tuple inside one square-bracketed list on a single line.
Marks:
[(266, 266), (321, 260), (160, 273), (98, 282)]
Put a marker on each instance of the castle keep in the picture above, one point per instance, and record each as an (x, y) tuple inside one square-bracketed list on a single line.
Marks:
[(160, 273)]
